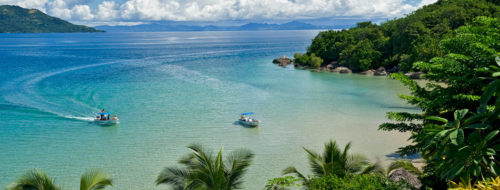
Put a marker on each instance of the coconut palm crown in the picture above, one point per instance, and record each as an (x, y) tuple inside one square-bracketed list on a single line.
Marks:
[(334, 161), (39, 180), (204, 170)]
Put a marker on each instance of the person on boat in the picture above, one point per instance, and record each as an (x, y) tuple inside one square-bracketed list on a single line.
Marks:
[(243, 118), (103, 115)]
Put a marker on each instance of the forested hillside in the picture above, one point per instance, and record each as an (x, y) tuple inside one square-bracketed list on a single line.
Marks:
[(15, 19), (397, 43)]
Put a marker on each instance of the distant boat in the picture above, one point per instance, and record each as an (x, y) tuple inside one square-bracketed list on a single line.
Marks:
[(104, 118), (245, 120)]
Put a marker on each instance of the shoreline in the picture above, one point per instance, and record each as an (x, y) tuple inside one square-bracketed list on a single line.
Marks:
[(334, 67)]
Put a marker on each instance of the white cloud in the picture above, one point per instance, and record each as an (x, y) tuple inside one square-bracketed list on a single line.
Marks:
[(107, 10), (426, 2), (34, 4), (210, 10), (81, 12)]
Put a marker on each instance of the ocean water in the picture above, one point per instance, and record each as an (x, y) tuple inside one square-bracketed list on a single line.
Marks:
[(174, 89)]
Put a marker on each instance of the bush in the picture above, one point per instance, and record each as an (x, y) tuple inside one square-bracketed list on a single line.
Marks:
[(355, 182), (306, 60)]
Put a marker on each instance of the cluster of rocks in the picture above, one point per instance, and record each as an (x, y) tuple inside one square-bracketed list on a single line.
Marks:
[(283, 61), (334, 66), (401, 174), (379, 72)]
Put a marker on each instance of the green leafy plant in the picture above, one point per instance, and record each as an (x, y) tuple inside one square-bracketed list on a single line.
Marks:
[(335, 161), (203, 170), (38, 180)]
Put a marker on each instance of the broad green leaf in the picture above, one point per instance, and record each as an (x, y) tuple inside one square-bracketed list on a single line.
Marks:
[(440, 135), (491, 135), (479, 126), (490, 152), (487, 94), (460, 136), (436, 118), (454, 136), (460, 114)]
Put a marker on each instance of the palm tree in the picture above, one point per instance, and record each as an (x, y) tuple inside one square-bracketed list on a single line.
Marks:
[(95, 180), (38, 180), (335, 161), (203, 170)]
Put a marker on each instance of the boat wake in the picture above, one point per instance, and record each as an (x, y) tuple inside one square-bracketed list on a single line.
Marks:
[(22, 92), (27, 92)]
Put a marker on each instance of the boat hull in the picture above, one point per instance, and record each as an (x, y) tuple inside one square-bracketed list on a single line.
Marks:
[(249, 123), (106, 122)]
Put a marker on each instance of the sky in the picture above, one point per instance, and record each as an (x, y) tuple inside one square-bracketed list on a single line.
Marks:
[(131, 12)]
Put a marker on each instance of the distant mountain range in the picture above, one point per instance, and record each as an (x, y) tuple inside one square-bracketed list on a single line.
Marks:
[(162, 26), (15, 19)]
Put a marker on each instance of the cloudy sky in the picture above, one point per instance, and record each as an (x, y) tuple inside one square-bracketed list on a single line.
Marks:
[(95, 12)]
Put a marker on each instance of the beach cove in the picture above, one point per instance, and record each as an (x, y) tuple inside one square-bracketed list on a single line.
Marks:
[(173, 89)]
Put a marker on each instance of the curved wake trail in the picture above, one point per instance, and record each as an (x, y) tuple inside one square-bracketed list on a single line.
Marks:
[(22, 91)]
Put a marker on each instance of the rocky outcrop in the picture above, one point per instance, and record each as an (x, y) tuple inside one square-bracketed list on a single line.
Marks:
[(401, 174), (283, 61), (342, 70), (330, 67), (380, 71), (415, 75), (368, 72)]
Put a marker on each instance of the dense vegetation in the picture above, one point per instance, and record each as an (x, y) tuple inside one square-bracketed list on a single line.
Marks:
[(14, 19), (38, 180), (397, 43), (457, 133)]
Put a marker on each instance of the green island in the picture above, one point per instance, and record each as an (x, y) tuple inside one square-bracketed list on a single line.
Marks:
[(15, 19), (456, 44)]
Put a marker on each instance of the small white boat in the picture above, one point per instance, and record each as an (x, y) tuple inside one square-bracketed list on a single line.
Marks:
[(248, 121), (104, 118)]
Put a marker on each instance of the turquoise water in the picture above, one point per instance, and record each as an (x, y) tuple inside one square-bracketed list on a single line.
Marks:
[(171, 90)]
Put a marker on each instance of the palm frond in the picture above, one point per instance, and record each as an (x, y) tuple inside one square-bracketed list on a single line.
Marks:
[(356, 163), (405, 164), (375, 168), (95, 180), (34, 180), (293, 170), (316, 162), (237, 163), (175, 177)]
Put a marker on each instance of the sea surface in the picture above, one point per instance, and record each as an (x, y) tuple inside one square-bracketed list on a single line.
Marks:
[(173, 89)]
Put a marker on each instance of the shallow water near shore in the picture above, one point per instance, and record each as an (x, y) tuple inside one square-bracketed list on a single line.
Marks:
[(173, 89)]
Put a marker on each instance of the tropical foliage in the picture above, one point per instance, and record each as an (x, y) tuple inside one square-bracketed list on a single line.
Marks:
[(457, 133), (305, 60), (38, 180), (400, 42), (282, 183), (204, 170), (355, 182), (335, 162), (487, 184)]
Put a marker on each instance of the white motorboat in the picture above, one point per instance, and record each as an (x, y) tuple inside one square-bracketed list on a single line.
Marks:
[(104, 118), (248, 121)]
